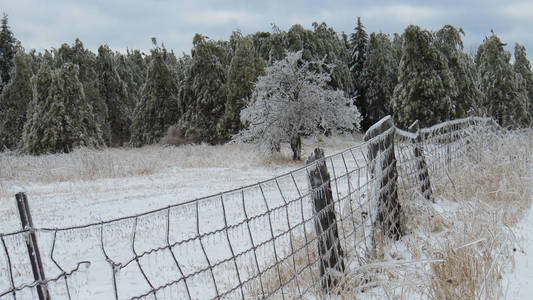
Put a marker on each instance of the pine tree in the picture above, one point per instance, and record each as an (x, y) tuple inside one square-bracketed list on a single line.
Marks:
[(379, 77), (7, 52), (505, 90), (59, 118), (14, 102), (244, 69), (448, 41), (114, 91), (359, 41), (157, 108), (522, 66), (86, 61), (203, 94), (425, 86)]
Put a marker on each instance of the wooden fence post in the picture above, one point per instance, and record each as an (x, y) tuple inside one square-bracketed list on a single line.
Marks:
[(381, 148), (423, 174), (330, 252), (31, 244)]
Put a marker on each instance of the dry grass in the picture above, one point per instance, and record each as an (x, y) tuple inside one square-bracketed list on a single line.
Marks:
[(90, 164), (459, 248)]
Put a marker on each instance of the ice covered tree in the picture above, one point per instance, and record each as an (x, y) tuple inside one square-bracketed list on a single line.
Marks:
[(505, 91), (244, 69), (157, 108), (425, 86), (448, 41), (203, 94), (359, 41), (379, 77), (522, 66), (59, 118), (7, 52), (14, 103), (291, 101), (86, 61), (115, 94)]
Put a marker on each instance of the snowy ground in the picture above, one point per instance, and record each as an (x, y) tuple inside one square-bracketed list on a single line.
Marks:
[(520, 282), (71, 203)]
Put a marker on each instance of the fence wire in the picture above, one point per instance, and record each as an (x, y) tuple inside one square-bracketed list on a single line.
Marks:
[(258, 241)]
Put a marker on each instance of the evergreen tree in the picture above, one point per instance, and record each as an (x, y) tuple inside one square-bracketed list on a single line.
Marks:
[(158, 106), (8, 48), (425, 86), (505, 90), (359, 41), (522, 66), (14, 102), (203, 94), (379, 77), (59, 118), (244, 69), (448, 41), (114, 92), (86, 61)]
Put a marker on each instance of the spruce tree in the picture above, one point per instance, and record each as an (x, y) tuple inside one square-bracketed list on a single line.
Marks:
[(359, 41), (244, 69), (379, 77), (7, 52), (114, 91), (522, 66), (14, 102), (59, 118), (448, 41), (505, 90), (157, 108), (425, 86)]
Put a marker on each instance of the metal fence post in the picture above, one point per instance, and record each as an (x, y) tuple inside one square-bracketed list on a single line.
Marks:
[(381, 148), (423, 174), (330, 252), (31, 243)]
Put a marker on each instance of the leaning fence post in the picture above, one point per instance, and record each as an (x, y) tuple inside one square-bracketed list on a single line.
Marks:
[(380, 138), (423, 174), (329, 248), (31, 243)]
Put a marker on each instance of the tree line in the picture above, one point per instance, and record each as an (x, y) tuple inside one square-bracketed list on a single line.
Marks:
[(66, 97)]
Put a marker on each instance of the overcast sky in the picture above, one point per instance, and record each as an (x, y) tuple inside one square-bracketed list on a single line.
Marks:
[(123, 24)]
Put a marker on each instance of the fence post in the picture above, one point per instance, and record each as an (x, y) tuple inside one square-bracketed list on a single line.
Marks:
[(31, 243), (423, 174), (381, 149), (330, 252)]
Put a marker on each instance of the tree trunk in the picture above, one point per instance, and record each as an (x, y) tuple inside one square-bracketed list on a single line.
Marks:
[(296, 146)]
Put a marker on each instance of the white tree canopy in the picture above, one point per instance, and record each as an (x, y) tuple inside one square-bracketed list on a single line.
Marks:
[(291, 101)]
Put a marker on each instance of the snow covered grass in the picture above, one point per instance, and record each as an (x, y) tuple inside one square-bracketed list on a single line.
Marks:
[(461, 246)]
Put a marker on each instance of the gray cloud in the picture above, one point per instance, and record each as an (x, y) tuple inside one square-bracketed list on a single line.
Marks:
[(131, 23)]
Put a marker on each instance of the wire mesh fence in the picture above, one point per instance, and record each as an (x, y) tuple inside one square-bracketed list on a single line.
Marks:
[(267, 240)]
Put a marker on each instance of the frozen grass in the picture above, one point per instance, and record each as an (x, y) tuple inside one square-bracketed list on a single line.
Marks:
[(85, 164), (457, 248), (466, 239)]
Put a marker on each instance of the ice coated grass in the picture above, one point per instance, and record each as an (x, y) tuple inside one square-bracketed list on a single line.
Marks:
[(458, 248), (89, 164)]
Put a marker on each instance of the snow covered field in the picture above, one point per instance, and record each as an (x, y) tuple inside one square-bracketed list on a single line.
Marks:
[(91, 199), (88, 187)]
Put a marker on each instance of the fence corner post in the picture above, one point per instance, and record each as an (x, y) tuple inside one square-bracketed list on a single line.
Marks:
[(330, 253), (380, 138), (31, 244), (423, 174)]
